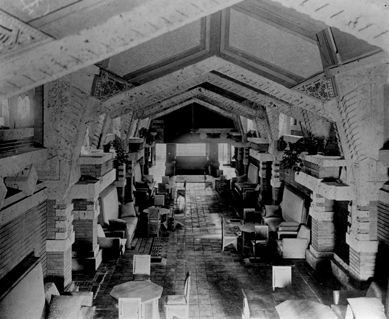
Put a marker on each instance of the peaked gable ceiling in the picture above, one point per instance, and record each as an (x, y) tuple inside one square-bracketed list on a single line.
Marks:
[(243, 58)]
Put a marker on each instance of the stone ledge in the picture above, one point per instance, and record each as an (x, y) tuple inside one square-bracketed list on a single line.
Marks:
[(16, 134), (324, 161), (135, 156), (368, 246), (262, 157), (95, 158), (94, 188), (60, 245), (12, 165), (329, 190)]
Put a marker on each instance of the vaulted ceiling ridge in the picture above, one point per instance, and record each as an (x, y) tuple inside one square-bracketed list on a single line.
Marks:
[(182, 79), (200, 72), (293, 97), (190, 102), (140, 23), (204, 95)]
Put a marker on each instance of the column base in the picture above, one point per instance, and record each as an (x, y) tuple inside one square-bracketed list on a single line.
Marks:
[(89, 261), (344, 277), (317, 262)]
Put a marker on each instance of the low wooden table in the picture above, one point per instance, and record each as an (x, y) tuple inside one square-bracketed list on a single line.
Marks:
[(148, 291)]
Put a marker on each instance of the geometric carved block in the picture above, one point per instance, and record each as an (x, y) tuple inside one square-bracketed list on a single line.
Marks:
[(25, 180)]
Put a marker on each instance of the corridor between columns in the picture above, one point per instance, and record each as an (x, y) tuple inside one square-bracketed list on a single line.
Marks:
[(217, 277)]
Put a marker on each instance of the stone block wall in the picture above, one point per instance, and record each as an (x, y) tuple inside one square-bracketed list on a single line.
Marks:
[(60, 235), (341, 214), (22, 236), (96, 170)]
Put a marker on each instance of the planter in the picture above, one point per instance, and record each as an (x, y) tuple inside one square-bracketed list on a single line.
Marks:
[(106, 148)]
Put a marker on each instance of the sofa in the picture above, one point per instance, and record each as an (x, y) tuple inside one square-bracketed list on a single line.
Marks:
[(191, 165), (29, 298), (115, 217), (246, 187), (286, 217), (359, 304)]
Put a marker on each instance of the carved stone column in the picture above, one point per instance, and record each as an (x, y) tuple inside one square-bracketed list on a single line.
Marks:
[(276, 182), (67, 110)]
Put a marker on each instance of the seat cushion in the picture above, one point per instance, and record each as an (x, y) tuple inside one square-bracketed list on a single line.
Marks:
[(176, 300), (127, 210), (64, 307), (364, 307)]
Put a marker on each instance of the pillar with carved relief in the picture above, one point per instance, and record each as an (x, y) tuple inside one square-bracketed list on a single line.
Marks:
[(322, 245), (264, 180), (276, 182), (60, 237), (239, 168)]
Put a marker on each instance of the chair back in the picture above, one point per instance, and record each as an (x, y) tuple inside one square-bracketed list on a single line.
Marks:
[(187, 287), (141, 265), (159, 200), (130, 308), (249, 215), (261, 234), (162, 188), (304, 232)]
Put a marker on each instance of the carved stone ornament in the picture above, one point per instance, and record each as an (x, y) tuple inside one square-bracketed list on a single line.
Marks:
[(320, 87), (106, 85)]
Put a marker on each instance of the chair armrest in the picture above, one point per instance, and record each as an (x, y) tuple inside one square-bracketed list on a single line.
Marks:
[(294, 242), (115, 233), (105, 242)]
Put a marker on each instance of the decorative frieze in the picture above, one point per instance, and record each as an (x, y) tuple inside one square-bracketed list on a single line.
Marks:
[(106, 85), (320, 87)]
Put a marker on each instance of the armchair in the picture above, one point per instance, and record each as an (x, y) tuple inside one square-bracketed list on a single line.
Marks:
[(288, 216), (228, 236), (295, 247), (113, 243), (260, 238)]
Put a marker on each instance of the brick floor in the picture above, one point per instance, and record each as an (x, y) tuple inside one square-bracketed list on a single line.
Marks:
[(217, 277)]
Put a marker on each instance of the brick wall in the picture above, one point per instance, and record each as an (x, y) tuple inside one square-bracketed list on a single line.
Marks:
[(22, 236), (340, 221)]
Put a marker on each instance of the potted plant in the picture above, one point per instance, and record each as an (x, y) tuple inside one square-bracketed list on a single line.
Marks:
[(310, 143), (291, 160), (122, 156), (148, 135)]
